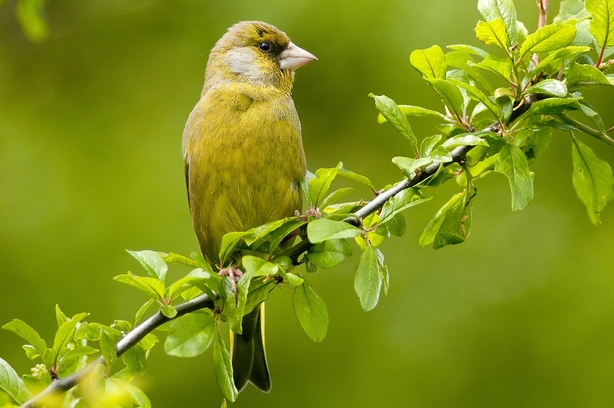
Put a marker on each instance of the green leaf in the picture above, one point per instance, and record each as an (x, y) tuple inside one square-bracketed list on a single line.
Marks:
[(390, 110), (396, 225), (190, 335), (234, 303), (319, 185), (464, 62), (152, 286), (350, 175), (60, 317), (230, 241), (410, 110), (409, 165), (259, 290), (123, 326), (178, 259), (512, 162), (27, 333), (152, 262), (476, 94), (88, 331), (202, 263), (551, 87), (12, 385), (310, 311), (135, 359), (137, 396), (143, 309), (65, 333), (551, 106), (431, 62), (335, 195), (450, 95), (367, 279), (592, 114), (256, 234), (493, 33), (223, 367), (465, 139), (400, 202), (499, 66), (323, 229), (548, 38), (282, 232), (592, 179), (505, 102), (292, 279), (168, 310), (580, 74), (149, 341), (108, 345), (385, 277), (569, 9), (329, 254), (283, 262), (503, 9), (441, 155), (34, 383), (196, 277), (538, 142), (558, 57), (602, 23), (469, 49), (451, 224), (428, 144), (256, 266), (78, 352)]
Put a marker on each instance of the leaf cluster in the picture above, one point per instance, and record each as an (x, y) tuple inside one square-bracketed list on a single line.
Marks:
[(73, 342)]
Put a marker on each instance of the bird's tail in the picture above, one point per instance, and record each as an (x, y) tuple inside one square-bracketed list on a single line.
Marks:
[(248, 353)]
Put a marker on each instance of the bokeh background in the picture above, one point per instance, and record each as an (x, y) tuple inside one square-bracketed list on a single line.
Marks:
[(521, 315)]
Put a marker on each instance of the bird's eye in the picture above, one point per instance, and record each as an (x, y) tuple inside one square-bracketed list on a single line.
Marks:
[(265, 46)]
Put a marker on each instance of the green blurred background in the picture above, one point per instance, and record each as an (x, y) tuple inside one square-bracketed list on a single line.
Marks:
[(521, 315)]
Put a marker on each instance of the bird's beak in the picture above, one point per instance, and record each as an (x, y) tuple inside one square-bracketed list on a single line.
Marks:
[(294, 57)]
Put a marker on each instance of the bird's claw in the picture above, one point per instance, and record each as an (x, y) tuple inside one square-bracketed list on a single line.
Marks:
[(234, 274)]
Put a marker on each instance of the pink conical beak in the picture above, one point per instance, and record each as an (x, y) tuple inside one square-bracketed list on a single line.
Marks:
[(294, 57)]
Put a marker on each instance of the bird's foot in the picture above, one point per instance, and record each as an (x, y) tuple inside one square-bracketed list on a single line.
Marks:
[(311, 212), (233, 274)]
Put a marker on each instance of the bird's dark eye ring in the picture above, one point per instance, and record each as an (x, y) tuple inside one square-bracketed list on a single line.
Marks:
[(265, 46)]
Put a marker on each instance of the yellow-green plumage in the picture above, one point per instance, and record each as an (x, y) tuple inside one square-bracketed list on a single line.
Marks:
[(244, 157)]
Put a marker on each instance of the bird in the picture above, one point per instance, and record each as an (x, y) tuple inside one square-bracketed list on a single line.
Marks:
[(244, 158)]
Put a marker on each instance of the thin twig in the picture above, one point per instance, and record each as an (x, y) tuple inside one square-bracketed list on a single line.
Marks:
[(543, 13), (541, 21)]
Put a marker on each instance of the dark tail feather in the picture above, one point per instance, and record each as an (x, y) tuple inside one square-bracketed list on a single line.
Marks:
[(248, 353)]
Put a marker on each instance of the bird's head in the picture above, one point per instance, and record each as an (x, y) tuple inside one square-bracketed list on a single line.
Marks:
[(257, 53)]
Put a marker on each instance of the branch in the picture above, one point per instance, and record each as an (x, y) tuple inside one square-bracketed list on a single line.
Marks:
[(64, 384), (419, 176), (459, 154)]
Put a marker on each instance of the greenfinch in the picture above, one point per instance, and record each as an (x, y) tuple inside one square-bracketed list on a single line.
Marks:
[(244, 159)]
